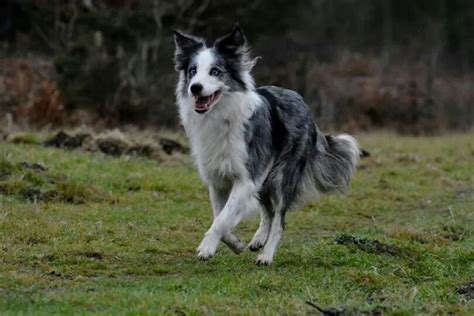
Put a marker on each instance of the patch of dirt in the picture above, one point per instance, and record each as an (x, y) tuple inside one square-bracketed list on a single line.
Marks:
[(170, 146), (467, 290), (343, 311), (370, 246), (32, 166), (328, 311), (55, 274), (134, 188), (37, 195), (112, 146), (33, 182), (454, 232), (464, 192), (141, 150), (92, 255), (64, 140), (113, 143)]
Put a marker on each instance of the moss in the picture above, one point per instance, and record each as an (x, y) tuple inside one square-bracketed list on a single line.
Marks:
[(24, 138), (77, 193), (13, 186), (34, 183), (7, 168)]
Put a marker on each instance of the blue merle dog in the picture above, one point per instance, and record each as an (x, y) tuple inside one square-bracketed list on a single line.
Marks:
[(257, 149)]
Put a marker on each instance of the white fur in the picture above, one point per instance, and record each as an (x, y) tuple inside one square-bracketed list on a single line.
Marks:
[(210, 84), (354, 147), (276, 232), (217, 137), (261, 235), (242, 200), (218, 199), (218, 146)]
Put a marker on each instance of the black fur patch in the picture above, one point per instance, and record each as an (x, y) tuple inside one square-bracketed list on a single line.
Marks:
[(232, 52), (278, 129), (186, 48), (232, 64)]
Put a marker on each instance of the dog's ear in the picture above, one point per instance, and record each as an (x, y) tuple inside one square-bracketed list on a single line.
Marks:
[(185, 46), (183, 41), (232, 41)]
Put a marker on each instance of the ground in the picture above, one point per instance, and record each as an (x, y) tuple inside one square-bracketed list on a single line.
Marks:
[(87, 233)]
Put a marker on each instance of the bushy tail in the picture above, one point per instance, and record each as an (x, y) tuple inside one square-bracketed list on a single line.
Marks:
[(332, 170)]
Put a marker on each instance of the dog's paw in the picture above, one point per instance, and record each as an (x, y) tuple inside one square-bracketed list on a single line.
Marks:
[(204, 256), (258, 241), (234, 243), (207, 248), (237, 247), (263, 260), (256, 245)]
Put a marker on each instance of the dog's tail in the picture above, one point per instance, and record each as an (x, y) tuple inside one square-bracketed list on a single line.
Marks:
[(332, 169)]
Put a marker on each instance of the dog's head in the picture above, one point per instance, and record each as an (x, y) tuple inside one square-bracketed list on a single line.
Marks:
[(209, 73)]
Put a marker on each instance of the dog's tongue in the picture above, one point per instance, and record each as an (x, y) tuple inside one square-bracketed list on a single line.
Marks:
[(202, 102)]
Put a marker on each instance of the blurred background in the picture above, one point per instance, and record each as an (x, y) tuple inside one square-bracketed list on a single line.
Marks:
[(402, 65)]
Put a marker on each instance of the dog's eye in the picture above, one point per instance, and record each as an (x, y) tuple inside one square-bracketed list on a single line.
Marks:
[(215, 72), (192, 71)]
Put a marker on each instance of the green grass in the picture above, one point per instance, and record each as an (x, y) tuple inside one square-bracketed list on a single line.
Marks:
[(119, 236)]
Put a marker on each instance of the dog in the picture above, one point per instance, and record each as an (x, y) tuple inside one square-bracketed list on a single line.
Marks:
[(256, 149)]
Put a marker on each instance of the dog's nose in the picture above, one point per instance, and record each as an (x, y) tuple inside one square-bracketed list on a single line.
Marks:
[(196, 88)]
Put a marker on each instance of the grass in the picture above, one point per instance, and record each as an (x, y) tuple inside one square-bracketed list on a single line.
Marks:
[(119, 236)]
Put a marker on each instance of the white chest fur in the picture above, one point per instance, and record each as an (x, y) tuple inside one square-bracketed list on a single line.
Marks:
[(220, 150), (218, 137)]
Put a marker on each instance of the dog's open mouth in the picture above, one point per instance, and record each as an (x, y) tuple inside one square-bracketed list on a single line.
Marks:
[(202, 104)]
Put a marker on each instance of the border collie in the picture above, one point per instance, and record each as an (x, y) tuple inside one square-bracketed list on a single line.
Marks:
[(257, 149)]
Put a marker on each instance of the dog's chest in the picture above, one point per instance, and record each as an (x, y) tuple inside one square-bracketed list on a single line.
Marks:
[(220, 151)]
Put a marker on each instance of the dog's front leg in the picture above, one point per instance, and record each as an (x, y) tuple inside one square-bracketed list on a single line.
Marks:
[(218, 199), (241, 200)]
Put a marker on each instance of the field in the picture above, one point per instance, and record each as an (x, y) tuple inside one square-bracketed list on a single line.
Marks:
[(84, 233)]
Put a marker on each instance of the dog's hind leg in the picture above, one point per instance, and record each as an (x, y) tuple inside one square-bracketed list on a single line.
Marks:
[(218, 199), (276, 232), (261, 235), (277, 201)]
